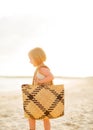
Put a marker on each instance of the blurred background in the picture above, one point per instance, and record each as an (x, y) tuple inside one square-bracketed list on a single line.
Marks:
[(64, 29)]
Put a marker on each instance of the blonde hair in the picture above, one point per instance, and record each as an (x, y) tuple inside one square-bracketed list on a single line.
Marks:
[(38, 55)]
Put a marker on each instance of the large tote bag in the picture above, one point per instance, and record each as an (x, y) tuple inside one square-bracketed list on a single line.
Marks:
[(40, 101)]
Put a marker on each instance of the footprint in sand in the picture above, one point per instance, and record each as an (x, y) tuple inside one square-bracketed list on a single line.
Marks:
[(71, 125)]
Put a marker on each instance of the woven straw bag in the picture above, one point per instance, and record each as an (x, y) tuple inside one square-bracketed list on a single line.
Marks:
[(40, 101)]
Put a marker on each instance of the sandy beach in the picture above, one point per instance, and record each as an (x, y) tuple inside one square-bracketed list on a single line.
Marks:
[(78, 108)]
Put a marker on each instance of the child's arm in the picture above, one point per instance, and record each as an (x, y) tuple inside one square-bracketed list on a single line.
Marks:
[(47, 75)]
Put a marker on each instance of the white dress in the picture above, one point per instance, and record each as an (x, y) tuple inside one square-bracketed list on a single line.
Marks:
[(40, 76)]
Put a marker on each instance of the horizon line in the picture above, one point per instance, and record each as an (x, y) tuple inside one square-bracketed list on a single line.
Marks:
[(27, 76)]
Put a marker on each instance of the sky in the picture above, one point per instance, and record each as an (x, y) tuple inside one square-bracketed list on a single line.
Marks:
[(64, 29)]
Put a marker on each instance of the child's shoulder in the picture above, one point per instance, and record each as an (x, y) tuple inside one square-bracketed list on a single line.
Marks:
[(44, 68)]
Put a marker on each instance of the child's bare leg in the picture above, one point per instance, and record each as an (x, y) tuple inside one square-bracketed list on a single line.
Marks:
[(46, 124), (32, 124)]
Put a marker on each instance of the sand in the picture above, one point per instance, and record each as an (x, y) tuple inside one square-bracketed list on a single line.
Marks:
[(78, 108)]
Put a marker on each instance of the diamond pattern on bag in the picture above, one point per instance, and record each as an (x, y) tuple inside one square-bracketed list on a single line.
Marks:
[(42, 101)]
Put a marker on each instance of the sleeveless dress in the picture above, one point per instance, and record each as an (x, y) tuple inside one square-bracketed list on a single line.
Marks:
[(40, 76)]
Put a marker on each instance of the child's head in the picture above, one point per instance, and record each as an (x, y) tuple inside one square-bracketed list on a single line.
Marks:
[(37, 56)]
